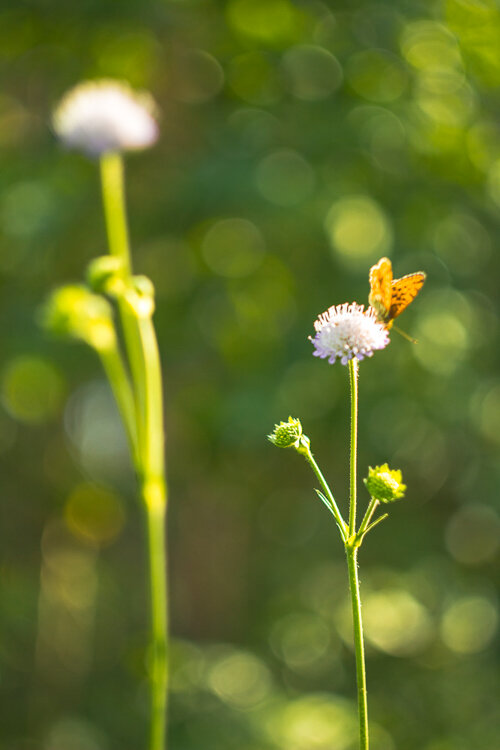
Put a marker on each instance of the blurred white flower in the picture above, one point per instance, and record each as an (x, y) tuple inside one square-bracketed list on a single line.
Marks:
[(102, 116), (347, 331)]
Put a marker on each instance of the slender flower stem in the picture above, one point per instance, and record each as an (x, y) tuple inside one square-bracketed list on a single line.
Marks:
[(147, 404), (113, 195), (351, 548), (352, 564), (154, 496), (154, 448), (367, 517), (353, 382), (326, 489), (114, 368)]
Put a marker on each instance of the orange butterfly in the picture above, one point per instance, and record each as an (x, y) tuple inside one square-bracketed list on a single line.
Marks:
[(388, 296)]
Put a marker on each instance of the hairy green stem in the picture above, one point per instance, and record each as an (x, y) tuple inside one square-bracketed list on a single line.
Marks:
[(351, 549), (359, 649), (353, 382), (367, 517)]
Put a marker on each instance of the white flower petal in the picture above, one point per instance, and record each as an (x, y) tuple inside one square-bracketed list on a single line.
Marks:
[(347, 331), (101, 116)]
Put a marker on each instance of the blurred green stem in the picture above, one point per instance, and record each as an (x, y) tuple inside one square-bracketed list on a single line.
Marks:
[(147, 410), (113, 194), (154, 496), (117, 375), (154, 448)]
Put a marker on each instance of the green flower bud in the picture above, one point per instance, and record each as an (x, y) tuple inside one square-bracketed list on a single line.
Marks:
[(105, 275), (143, 286), (77, 312), (289, 435), (385, 484), (141, 296)]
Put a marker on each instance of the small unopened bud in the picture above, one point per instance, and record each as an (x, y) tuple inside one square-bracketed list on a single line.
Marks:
[(105, 275), (143, 286), (289, 435), (77, 312), (385, 484), (141, 296)]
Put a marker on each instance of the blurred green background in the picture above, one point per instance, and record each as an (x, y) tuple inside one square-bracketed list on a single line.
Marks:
[(300, 142)]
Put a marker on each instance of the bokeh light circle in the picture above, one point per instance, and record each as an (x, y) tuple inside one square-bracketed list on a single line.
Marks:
[(94, 514), (473, 533), (469, 624), (312, 72), (313, 722), (285, 178), (253, 77), (485, 412), (240, 679), (32, 389), (359, 231), (428, 45), (300, 639), (395, 622), (376, 75), (271, 21), (443, 330), (200, 77), (233, 248)]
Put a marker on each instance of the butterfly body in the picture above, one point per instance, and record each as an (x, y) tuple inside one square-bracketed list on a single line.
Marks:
[(389, 296)]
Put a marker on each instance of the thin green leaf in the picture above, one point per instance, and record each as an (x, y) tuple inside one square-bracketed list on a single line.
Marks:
[(328, 505)]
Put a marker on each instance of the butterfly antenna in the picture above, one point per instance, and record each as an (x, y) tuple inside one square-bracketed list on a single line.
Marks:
[(404, 335)]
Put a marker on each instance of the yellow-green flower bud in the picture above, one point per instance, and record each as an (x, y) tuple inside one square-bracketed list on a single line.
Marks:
[(75, 311), (385, 484), (143, 286), (289, 435), (105, 275), (141, 296)]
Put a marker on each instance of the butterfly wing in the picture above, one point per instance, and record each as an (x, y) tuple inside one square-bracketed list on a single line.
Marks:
[(381, 289), (404, 291)]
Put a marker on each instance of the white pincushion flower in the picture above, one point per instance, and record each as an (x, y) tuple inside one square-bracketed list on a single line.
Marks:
[(102, 116), (347, 331)]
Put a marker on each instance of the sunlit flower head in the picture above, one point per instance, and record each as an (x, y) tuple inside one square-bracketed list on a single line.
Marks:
[(347, 331), (286, 434), (290, 435), (384, 484), (101, 116)]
